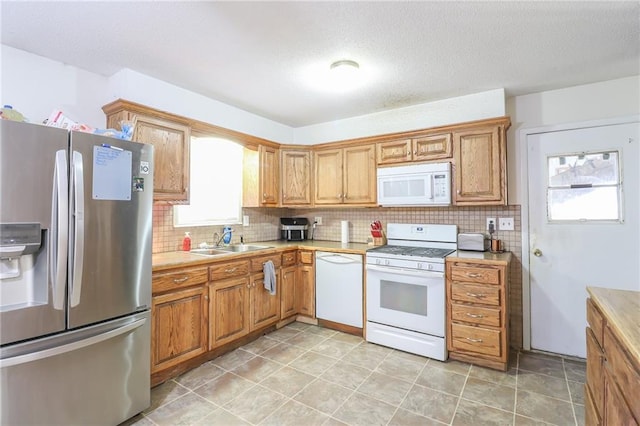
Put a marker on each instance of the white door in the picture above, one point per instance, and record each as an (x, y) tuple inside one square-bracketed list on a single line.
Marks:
[(584, 229)]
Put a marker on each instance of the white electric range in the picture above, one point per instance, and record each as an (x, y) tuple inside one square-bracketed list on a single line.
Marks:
[(406, 288)]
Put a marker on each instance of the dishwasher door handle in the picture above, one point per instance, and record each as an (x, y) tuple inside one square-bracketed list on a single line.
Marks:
[(338, 259)]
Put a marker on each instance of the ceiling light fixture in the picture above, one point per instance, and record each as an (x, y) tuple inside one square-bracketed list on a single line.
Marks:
[(344, 74), (345, 65)]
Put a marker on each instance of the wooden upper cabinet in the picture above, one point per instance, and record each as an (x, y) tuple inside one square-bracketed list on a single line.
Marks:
[(346, 175), (295, 177), (171, 140), (480, 165), (421, 148), (260, 177), (432, 147), (359, 174), (328, 176)]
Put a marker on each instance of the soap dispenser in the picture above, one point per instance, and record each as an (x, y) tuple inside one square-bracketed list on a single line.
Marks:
[(186, 242)]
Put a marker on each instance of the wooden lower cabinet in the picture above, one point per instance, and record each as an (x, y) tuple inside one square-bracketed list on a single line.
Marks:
[(229, 310), (306, 291), (612, 387), (478, 311), (288, 281), (265, 307), (179, 326)]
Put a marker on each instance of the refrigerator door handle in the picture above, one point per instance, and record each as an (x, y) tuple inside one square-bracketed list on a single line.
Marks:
[(58, 350), (77, 192), (59, 238)]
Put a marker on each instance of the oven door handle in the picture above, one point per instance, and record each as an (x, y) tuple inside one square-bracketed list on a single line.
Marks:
[(420, 273)]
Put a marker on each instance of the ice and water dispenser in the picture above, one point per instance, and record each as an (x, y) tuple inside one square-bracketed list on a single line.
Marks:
[(23, 280)]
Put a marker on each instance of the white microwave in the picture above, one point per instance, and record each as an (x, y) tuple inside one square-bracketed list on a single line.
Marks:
[(415, 185)]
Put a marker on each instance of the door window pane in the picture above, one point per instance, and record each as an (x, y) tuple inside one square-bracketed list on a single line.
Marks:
[(584, 186)]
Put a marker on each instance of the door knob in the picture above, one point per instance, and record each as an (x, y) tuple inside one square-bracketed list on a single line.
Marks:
[(537, 252)]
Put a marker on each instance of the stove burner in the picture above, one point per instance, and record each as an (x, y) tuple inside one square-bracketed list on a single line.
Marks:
[(413, 251)]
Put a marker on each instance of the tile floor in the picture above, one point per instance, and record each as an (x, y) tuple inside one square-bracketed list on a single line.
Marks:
[(308, 375)]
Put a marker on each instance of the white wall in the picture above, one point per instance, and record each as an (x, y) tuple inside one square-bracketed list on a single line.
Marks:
[(477, 106), (597, 101), (35, 86), (158, 94)]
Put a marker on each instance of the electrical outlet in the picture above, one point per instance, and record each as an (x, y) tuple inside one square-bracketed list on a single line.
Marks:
[(505, 223), (318, 220), (492, 220), (245, 220)]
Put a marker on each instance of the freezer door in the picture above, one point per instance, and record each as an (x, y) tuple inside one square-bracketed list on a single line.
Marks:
[(33, 200), (98, 375), (110, 228)]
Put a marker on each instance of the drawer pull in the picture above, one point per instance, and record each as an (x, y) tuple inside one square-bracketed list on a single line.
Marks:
[(474, 275), (230, 270), (475, 315), (180, 280), (473, 340), (476, 295)]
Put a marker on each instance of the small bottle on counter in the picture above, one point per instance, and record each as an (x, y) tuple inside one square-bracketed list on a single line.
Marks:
[(186, 242)]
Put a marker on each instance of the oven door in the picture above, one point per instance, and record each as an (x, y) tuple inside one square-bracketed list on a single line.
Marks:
[(405, 298)]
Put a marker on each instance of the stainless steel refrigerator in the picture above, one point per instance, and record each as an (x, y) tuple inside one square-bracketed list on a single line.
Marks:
[(75, 276)]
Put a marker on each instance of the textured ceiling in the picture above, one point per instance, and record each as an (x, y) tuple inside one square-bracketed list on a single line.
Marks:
[(268, 58)]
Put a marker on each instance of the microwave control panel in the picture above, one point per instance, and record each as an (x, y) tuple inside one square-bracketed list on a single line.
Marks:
[(440, 187)]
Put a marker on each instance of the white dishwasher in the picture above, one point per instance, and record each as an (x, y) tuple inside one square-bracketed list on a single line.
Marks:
[(339, 288)]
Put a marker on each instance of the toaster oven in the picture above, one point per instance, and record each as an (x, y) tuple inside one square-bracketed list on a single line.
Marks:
[(294, 228)]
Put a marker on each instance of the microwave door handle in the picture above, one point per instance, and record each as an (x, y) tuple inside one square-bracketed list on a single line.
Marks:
[(431, 186)]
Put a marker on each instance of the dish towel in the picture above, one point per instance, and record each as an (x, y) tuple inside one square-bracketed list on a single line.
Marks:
[(269, 276)]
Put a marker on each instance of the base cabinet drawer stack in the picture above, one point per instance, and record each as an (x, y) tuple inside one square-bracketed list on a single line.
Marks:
[(612, 389), (179, 317), (477, 311)]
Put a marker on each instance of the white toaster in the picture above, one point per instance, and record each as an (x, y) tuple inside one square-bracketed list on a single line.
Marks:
[(474, 242)]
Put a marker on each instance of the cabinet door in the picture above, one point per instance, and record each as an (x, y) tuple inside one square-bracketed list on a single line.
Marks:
[(269, 176), (328, 177), (432, 147), (306, 291), (288, 291), (171, 156), (359, 175), (394, 151), (616, 410), (296, 177), (265, 307), (179, 327), (480, 167), (229, 311), (595, 372)]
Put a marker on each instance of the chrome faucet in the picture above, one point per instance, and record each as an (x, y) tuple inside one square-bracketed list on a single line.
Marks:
[(217, 238)]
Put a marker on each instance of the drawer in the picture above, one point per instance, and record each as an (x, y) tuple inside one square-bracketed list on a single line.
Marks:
[(595, 320), (289, 258), (306, 257), (228, 270), (258, 262), (474, 293), (624, 372), (476, 315), (476, 339), (475, 274), (164, 281)]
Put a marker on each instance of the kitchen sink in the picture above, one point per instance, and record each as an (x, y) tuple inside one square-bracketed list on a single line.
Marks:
[(210, 251), (234, 248), (237, 248)]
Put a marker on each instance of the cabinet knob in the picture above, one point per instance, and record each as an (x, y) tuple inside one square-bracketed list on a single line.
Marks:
[(537, 252), (415, 152), (408, 153)]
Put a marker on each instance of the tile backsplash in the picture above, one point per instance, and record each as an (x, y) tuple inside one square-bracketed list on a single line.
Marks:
[(264, 225)]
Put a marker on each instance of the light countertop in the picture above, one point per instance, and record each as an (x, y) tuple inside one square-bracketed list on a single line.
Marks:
[(621, 308), (173, 259)]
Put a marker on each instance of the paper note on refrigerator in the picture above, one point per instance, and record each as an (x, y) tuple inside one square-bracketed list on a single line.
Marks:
[(111, 174)]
